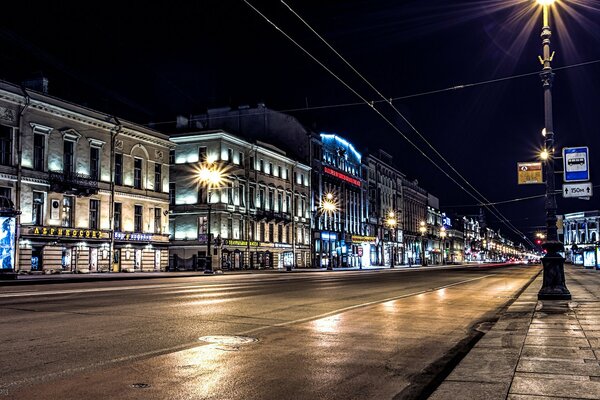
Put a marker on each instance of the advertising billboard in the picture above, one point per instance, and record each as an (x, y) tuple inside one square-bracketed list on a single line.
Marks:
[(7, 243), (589, 258)]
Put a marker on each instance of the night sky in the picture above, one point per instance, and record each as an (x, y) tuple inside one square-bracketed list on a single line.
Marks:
[(150, 63)]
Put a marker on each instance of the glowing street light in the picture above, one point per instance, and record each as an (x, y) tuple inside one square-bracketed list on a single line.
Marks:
[(329, 207), (211, 177), (392, 223), (554, 286), (443, 235), (423, 229)]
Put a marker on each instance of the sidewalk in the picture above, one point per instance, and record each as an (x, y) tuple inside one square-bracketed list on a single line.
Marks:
[(538, 349)]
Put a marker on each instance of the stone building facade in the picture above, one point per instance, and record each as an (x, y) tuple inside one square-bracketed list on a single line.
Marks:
[(59, 169), (259, 216)]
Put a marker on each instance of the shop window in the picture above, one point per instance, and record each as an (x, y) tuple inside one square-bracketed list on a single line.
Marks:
[(157, 220), (68, 211), (37, 217)]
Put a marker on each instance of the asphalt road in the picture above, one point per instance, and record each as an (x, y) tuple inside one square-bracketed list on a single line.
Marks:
[(337, 335)]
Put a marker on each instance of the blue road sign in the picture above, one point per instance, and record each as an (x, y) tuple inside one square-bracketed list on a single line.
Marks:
[(576, 164)]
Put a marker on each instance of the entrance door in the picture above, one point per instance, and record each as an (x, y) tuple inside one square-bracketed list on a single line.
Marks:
[(117, 260), (93, 259), (36, 259)]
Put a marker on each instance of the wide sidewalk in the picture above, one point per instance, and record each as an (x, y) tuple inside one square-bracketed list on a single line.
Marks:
[(538, 349)]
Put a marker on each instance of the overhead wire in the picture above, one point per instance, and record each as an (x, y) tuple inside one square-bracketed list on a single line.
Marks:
[(390, 102), (404, 97)]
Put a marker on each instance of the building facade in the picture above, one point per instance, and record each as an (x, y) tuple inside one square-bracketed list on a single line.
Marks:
[(581, 238), (415, 212), (386, 209), (92, 190), (259, 215)]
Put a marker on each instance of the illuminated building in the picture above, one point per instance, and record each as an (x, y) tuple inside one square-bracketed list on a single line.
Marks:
[(74, 216), (581, 237), (259, 211)]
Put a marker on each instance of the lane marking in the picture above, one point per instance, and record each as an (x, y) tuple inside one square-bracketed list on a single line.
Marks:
[(195, 344)]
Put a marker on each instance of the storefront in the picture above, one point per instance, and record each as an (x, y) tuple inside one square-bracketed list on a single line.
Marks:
[(57, 249), (140, 252), (363, 251)]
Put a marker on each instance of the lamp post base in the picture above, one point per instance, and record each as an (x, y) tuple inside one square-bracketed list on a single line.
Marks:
[(554, 286)]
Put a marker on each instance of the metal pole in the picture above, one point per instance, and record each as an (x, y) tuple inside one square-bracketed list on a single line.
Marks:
[(554, 286), (208, 269)]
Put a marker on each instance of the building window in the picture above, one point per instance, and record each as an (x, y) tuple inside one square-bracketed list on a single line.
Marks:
[(252, 197), (94, 213), (37, 217), (271, 169), (5, 145), (95, 163), (288, 204), (158, 177), (68, 157), (251, 230), (202, 154), (262, 232), (261, 199), (287, 174), (229, 233), (261, 166), (242, 233), (288, 234), (39, 150), (241, 195), (137, 219), (157, 220), (172, 193), (118, 169), (171, 156), (137, 173), (279, 202), (271, 232), (230, 195), (280, 233), (279, 172), (68, 211), (271, 200), (117, 215), (252, 163), (230, 155), (241, 158)]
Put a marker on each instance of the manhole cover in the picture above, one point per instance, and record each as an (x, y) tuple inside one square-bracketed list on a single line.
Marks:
[(228, 340), (140, 385)]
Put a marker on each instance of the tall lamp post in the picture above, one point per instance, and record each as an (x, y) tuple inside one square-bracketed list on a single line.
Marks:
[(443, 234), (329, 207), (423, 230), (554, 286), (392, 223), (210, 177)]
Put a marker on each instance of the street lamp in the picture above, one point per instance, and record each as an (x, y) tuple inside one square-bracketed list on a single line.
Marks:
[(392, 223), (554, 286), (329, 207), (211, 177), (423, 229), (443, 236)]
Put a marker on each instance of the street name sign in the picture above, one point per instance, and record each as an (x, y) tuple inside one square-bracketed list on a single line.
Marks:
[(530, 173), (576, 164), (577, 190)]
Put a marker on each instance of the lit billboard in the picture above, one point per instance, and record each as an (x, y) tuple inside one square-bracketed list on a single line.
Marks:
[(7, 243)]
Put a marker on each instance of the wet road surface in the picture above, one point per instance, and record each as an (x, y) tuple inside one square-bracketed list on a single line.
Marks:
[(340, 335)]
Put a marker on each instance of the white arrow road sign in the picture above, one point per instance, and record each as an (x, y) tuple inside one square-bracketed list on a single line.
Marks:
[(577, 189)]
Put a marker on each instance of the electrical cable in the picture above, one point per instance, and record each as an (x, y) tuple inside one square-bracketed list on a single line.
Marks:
[(390, 102)]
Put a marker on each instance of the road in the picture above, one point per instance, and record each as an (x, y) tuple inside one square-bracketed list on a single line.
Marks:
[(320, 335)]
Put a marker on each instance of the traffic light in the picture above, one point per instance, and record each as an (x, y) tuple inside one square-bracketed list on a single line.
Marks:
[(538, 241)]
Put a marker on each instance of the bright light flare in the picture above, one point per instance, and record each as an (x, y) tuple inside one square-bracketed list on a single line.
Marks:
[(329, 206), (545, 2), (544, 155), (211, 176)]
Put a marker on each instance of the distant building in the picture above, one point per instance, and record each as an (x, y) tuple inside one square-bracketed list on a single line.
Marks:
[(260, 216), (92, 190), (415, 211), (581, 238)]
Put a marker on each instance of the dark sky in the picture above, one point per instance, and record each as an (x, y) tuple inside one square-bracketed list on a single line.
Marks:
[(149, 63)]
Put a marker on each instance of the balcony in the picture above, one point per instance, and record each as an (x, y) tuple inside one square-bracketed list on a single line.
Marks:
[(72, 183)]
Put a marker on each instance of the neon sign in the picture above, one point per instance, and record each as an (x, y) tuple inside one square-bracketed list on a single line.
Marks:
[(341, 176)]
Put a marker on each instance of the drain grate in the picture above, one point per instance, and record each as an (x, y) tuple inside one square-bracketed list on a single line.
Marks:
[(140, 385), (228, 340)]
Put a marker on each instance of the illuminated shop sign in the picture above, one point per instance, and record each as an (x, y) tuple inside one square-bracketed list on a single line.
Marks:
[(233, 242), (7, 243), (283, 245), (66, 232), (341, 176), (136, 237), (328, 236), (363, 239)]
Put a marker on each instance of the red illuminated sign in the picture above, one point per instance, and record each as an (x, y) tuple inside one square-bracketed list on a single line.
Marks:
[(341, 176)]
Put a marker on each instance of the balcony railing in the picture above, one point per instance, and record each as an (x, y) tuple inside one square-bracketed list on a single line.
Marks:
[(72, 183)]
